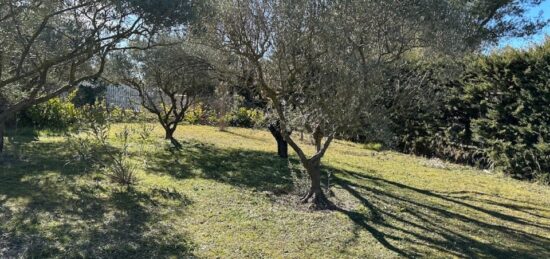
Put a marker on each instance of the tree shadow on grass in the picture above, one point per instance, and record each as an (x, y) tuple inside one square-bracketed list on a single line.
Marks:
[(60, 215), (260, 171), (51, 209), (413, 222), (409, 221), (240, 135)]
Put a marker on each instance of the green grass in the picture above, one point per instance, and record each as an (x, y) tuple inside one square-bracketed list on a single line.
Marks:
[(227, 195)]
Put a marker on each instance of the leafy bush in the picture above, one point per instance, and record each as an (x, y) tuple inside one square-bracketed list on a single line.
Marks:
[(92, 147), (95, 120), (118, 114), (121, 169), (56, 113), (199, 114), (239, 117), (509, 93), (246, 118), (127, 115)]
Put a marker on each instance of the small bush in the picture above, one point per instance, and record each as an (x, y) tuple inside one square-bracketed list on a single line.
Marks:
[(95, 120), (144, 131), (239, 117), (246, 118), (199, 115), (56, 113), (121, 169), (91, 145)]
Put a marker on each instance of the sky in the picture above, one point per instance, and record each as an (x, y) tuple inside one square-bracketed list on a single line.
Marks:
[(526, 42)]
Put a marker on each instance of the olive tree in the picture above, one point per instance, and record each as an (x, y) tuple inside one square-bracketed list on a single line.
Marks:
[(169, 79), (324, 66), (49, 47)]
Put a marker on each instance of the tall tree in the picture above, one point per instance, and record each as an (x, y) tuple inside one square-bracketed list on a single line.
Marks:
[(49, 47), (169, 80), (324, 66)]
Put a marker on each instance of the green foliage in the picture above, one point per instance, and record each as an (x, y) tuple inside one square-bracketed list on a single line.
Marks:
[(92, 146), (245, 118), (64, 113), (122, 169), (95, 120), (88, 95), (118, 114), (238, 117), (199, 114), (497, 115), (509, 94), (144, 131), (56, 113)]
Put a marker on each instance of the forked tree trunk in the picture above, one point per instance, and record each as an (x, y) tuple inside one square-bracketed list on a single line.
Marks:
[(282, 145), (315, 194), (170, 136), (2, 130)]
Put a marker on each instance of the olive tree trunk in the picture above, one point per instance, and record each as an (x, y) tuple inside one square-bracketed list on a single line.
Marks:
[(169, 135), (282, 145), (315, 194)]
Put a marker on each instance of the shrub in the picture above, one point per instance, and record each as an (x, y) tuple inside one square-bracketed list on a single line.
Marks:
[(121, 115), (246, 118), (95, 120), (496, 115), (92, 147), (509, 93), (240, 117), (199, 114), (56, 113), (144, 131), (121, 169)]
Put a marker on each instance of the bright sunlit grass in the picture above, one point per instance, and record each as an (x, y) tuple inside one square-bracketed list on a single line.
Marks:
[(227, 195)]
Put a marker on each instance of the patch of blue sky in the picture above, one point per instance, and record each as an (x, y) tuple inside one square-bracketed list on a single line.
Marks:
[(542, 10)]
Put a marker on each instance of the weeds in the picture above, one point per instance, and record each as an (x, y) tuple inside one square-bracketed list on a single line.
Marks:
[(91, 145), (121, 169)]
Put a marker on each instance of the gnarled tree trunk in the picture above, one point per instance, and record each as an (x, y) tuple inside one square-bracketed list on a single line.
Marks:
[(170, 136), (315, 194), (282, 145)]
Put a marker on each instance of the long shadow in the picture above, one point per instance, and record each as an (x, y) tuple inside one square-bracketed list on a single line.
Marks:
[(409, 221), (495, 214), (49, 208), (509, 204), (230, 131), (260, 171), (401, 217)]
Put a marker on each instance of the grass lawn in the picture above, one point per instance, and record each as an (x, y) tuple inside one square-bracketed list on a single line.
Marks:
[(227, 195)]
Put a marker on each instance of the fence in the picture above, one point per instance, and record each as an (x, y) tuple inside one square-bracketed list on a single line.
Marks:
[(122, 96)]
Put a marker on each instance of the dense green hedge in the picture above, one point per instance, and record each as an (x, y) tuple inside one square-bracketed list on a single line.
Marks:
[(497, 115)]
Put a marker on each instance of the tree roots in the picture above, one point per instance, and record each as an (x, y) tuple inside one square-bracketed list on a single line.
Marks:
[(317, 200)]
